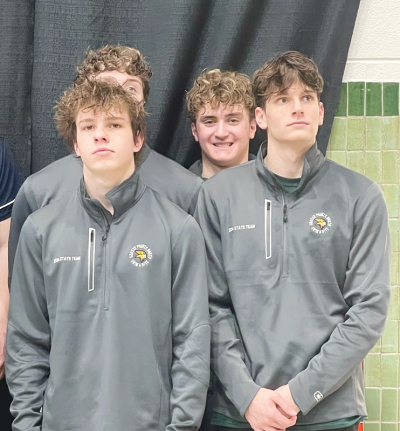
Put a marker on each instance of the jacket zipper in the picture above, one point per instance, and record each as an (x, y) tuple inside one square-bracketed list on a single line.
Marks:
[(267, 228), (91, 256), (285, 254), (104, 244)]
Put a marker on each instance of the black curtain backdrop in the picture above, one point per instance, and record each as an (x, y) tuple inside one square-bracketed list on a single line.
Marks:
[(42, 42)]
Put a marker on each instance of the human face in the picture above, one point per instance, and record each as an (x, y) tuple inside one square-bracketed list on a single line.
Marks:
[(224, 134), (106, 143), (292, 117), (131, 83)]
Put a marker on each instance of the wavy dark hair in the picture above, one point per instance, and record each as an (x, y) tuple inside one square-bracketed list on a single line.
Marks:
[(115, 57), (278, 74)]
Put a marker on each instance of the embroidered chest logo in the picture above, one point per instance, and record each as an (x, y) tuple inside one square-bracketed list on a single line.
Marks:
[(242, 227), (320, 223), (140, 255), (66, 259)]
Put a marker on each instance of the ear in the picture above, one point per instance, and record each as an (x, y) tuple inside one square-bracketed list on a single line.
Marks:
[(261, 118), (138, 141), (76, 148), (253, 128), (194, 132), (321, 114)]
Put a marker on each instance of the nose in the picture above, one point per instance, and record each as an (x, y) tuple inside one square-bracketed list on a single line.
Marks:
[(297, 106), (100, 135), (221, 132)]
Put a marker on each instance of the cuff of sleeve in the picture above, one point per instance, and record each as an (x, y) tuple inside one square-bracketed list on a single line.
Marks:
[(248, 393), (304, 400)]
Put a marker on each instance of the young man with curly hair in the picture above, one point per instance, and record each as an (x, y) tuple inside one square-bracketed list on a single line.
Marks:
[(299, 254), (119, 65), (221, 107), (108, 325)]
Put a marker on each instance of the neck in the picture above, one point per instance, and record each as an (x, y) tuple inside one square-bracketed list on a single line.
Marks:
[(98, 186), (286, 160), (210, 168)]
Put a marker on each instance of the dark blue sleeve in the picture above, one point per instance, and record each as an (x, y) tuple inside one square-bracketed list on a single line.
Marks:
[(10, 180)]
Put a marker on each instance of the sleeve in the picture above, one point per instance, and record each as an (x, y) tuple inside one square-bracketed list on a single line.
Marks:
[(190, 369), (24, 205), (10, 181), (227, 351), (366, 291), (28, 335)]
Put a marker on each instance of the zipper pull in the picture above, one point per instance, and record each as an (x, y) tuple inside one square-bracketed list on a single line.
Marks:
[(105, 236), (285, 217), (268, 206)]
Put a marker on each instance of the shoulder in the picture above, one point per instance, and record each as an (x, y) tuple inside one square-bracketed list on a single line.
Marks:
[(176, 222), (232, 180), (166, 165), (54, 181), (60, 170), (170, 213), (55, 212), (356, 184), (170, 179)]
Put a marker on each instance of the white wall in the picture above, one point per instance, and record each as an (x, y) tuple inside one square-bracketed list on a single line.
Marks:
[(374, 54)]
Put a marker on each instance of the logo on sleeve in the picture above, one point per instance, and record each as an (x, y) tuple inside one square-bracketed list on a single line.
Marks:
[(318, 396), (320, 223), (140, 255)]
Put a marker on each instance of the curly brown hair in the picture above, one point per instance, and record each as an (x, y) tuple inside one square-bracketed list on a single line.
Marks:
[(98, 96), (115, 57), (215, 87), (278, 74)]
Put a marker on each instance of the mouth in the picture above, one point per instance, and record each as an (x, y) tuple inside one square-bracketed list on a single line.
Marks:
[(104, 151), (298, 123), (223, 144)]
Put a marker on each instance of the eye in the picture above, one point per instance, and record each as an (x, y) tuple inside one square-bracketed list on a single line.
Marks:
[(234, 120), (88, 128), (308, 97), (208, 122), (131, 89), (115, 126), (282, 100)]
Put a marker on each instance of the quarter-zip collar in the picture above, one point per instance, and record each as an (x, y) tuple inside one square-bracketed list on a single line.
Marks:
[(122, 197), (313, 161)]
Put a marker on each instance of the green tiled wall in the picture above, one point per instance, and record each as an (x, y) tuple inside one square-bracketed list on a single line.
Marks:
[(365, 138)]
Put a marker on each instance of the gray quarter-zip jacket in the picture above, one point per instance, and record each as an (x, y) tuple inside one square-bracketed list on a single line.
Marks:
[(62, 177), (197, 167), (302, 278), (108, 325)]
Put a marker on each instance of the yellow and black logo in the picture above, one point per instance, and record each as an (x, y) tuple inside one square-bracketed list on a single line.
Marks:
[(140, 255), (320, 223)]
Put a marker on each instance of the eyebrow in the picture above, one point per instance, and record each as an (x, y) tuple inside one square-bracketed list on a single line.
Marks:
[(133, 79), (112, 118), (231, 114), (234, 114), (207, 117), (285, 92)]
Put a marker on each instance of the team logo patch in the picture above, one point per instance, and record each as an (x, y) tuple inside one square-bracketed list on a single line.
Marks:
[(140, 255), (320, 223)]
